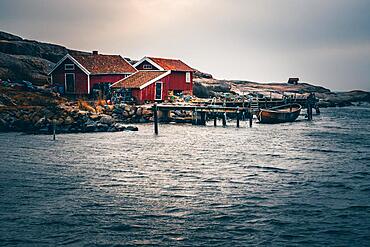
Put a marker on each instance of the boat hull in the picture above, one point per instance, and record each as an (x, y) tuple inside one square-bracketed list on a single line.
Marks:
[(281, 114)]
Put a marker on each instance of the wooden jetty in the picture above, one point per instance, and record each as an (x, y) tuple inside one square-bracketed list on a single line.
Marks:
[(217, 109), (200, 113)]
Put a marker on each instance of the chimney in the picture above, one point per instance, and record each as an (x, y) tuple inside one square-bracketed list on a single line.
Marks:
[(95, 52)]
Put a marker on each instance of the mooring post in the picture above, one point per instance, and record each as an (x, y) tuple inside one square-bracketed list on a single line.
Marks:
[(155, 116), (224, 120), (203, 118), (54, 128), (195, 117), (309, 111), (237, 118), (215, 120), (250, 119)]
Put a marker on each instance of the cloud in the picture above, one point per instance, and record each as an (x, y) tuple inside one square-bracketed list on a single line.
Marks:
[(324, 42)]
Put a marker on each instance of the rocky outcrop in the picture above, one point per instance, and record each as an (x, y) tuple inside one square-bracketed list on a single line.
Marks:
[(22, 59), (205, 87), (21, 67), (40, 110)]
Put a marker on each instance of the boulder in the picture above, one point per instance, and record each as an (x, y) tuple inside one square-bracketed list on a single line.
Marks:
[(106, 119), (132, 128), (139, 111), (69, 120), (95, 117), (119, 126), (41, 122)]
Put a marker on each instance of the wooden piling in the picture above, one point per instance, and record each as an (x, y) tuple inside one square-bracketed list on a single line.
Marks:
[(155, 116), (309, 111), (237, 118), (250, 119), (224, 120), (54, 128), (203, 118), (215, 120)]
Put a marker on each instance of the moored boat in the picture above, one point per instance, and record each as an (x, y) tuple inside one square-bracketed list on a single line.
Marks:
[(279, 114)]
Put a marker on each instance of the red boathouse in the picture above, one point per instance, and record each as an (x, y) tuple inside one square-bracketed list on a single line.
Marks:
[(156, 79), (79, 74)]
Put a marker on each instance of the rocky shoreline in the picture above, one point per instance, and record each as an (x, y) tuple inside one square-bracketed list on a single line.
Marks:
[(41, 112)]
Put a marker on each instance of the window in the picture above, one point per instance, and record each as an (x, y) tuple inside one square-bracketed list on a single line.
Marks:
[(158, 90), (147, 66), (187, 79), (69, 67), (70, 83)]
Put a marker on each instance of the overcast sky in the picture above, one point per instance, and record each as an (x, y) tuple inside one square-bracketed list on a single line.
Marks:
[(325, 42)]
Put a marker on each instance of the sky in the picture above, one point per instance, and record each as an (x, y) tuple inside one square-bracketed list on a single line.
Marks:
[(324, 42)]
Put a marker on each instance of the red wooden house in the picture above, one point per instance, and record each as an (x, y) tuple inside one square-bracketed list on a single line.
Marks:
[(157, 78), (79, 74)]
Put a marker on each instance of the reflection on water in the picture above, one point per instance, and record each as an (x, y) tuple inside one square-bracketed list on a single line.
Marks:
[(305, 183)]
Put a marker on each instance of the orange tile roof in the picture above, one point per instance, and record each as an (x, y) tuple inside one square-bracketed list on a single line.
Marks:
[(138, 79), (171, 64), (104, 64)]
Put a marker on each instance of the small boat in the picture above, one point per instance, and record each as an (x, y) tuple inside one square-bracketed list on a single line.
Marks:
[(279, 114)]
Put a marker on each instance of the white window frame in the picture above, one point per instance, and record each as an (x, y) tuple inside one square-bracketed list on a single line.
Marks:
[(147, 66), (65, 82), (72, 66), (187, 77), (155, 90)]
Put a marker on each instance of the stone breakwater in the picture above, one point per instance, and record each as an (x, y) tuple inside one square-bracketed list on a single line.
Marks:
[(69, 118)]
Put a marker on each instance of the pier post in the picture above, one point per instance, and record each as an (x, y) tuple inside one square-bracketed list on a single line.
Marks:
[(195, 117), (309, 111), (237, 118), (203, 118), (250, 119), (155, 116), (224, 120), (215, 120), (54, 128)]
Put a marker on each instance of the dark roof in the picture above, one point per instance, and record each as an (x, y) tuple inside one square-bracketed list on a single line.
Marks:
[(138, 79), (171, 64), (104, 64)]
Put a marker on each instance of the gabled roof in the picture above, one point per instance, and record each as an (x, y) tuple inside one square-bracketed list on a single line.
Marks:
[(100, 64), (166, 64), (105, 64), (140, 79)]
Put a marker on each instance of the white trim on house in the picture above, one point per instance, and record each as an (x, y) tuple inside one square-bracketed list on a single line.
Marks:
[(187, 77), (155, 79), (72, 66), (88, 84), (147, 59), (74, 61), (155, 90), (65, 82)]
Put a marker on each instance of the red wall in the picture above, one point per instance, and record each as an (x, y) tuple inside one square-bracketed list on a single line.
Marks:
[(174, 81), (177, 81), (95, 79), (80, 77)]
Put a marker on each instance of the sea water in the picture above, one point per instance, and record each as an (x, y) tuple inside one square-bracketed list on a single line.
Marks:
[(302, 183)]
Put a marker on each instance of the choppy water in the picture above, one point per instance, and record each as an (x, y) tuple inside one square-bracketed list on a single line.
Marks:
[(302, 183)]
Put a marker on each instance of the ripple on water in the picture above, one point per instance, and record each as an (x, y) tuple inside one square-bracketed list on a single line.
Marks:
[(299, 184)]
